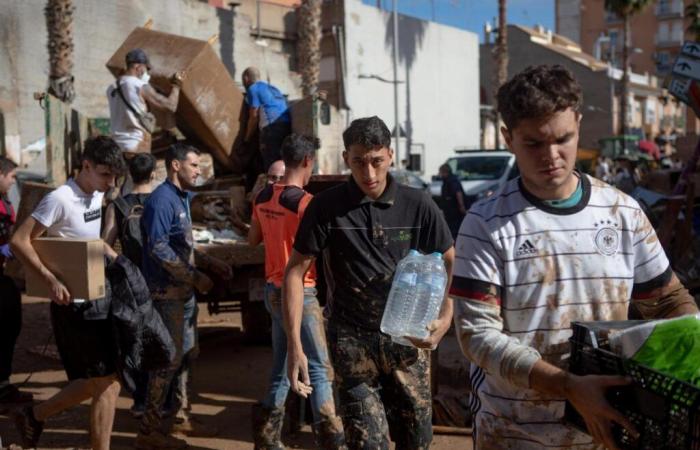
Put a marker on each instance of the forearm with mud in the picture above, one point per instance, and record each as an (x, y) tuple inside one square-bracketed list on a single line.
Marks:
[(480, 329), (293, 305), (672, 300)]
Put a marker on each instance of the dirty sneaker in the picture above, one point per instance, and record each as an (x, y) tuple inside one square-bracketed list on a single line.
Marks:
[(193, 427), (159, 441), (27, 426)]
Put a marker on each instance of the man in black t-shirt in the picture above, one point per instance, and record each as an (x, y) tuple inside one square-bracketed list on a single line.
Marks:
[(365, 227)]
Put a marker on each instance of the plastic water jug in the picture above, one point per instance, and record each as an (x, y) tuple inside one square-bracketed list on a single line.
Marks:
[(416, 296)]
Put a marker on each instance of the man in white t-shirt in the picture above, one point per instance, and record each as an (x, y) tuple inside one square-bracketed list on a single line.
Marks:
[(82, 330), (551, 247), (128, 108)]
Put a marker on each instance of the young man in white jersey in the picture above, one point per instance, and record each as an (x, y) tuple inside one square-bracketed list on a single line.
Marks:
[(551, 247), (82, 329)]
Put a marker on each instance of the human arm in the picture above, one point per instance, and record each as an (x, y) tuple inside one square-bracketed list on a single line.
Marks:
[(156, 222), (252, 125), (214, 264), (292, 309), (110, 230), (460, 203), (255, 236), (160, 101), (23, 249)]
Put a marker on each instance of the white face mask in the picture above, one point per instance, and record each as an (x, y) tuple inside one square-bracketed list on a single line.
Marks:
[(145, 77)]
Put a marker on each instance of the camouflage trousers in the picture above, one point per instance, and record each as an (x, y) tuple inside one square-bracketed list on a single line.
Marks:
[(383, 388), (159, 381)]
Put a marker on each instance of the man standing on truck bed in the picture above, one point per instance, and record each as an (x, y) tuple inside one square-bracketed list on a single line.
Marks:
[(268, 111), (364, 227), (550, 247), (131, 98)]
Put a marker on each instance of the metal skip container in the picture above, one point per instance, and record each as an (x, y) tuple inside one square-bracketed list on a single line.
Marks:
[(210, 102)]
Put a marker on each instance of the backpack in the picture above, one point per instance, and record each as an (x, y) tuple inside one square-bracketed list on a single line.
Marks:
[(130, 230)]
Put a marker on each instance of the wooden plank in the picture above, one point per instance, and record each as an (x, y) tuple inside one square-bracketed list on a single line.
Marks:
[(236, 253)]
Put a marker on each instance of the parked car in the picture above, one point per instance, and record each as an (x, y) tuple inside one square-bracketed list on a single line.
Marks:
[(410, 179), (481, 172)]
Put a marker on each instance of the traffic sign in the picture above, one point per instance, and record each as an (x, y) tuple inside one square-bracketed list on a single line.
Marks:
[(687, 67), (691, 49)]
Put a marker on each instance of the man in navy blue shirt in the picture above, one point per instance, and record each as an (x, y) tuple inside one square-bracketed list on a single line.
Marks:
[(169, 270), (268, 111)]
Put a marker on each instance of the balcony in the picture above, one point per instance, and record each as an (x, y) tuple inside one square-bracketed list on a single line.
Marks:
[(669, 9), (671, 40), (611, 17)]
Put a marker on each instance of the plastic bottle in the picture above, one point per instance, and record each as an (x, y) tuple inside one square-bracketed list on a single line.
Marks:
[(415, 297), (399, 305)]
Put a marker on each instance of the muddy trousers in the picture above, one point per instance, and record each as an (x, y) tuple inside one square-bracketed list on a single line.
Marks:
[(313, 338), (159, 381), (383, 388)]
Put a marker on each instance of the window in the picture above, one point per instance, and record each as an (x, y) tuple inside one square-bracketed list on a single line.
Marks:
[(677, 31), (662, 34), (479, 167)]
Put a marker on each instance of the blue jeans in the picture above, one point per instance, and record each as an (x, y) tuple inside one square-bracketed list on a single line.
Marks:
[(313, 340)]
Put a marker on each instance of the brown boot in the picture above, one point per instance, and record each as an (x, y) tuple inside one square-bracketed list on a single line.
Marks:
[(329, 434), (267, 427)]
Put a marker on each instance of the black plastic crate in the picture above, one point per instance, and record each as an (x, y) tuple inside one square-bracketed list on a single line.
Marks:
[(664, 410)]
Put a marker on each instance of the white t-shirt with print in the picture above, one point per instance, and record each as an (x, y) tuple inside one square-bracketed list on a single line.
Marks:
[(69, 212)]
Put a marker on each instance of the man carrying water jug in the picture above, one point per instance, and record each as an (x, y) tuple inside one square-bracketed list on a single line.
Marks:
[(364, 227), (551, 247)]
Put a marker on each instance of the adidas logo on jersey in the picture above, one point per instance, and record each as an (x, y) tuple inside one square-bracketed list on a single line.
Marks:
[(526, 248)]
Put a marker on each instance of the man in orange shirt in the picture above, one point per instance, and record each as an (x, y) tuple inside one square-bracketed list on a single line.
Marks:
[(277, 211)]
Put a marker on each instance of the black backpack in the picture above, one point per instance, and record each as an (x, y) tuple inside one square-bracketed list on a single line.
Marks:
[(130, 230)]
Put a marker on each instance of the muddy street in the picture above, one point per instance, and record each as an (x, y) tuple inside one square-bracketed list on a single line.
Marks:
[(228, 378)]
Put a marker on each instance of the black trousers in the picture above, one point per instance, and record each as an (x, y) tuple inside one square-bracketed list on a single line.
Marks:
[(10, 323)]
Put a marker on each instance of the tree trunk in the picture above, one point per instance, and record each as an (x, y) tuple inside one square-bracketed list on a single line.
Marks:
[(309, 44), (501, 51), (626, 38), (59, 24)]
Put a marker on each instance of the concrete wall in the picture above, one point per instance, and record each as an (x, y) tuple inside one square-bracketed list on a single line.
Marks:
[(99, 29), (597, 119), (439, 99)]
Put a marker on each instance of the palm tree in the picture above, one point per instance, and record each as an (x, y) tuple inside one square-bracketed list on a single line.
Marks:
[(625, 9), (692, 12), (309, 44), (59, 24), (501, 56)]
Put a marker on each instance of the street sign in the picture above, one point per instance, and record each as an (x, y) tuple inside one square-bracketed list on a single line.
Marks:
[(685, 69)]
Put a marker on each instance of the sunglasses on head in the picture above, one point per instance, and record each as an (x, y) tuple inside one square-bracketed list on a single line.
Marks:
[(275, 178)]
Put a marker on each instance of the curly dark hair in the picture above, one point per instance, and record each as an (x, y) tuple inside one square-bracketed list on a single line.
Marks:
[(368, 132), (297, 146), (538, 91), (103, 151)]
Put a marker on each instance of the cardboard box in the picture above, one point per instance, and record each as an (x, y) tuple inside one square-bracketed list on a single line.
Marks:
[(210, 102), (78, 263)]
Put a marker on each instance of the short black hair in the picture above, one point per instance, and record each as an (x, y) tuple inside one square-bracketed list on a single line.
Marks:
[(178, 152), (538, 92), (141, 167), (297, 146), (369, 132), (104, 151), (446, 168), (6, 165)]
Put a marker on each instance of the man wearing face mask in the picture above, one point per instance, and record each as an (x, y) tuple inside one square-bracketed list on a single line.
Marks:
[(131, 100)]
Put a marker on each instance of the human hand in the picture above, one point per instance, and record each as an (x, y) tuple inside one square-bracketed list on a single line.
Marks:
[(6, 251), (587, 395), (177, 78), (437, 329), (203, 283), (220, 268), (58, 292), (298, 365)]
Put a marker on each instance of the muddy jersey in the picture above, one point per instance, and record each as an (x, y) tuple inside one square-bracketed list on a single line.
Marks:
[(545, 267)]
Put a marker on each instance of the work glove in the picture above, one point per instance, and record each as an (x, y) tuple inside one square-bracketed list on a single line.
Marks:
[(6, 251)]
